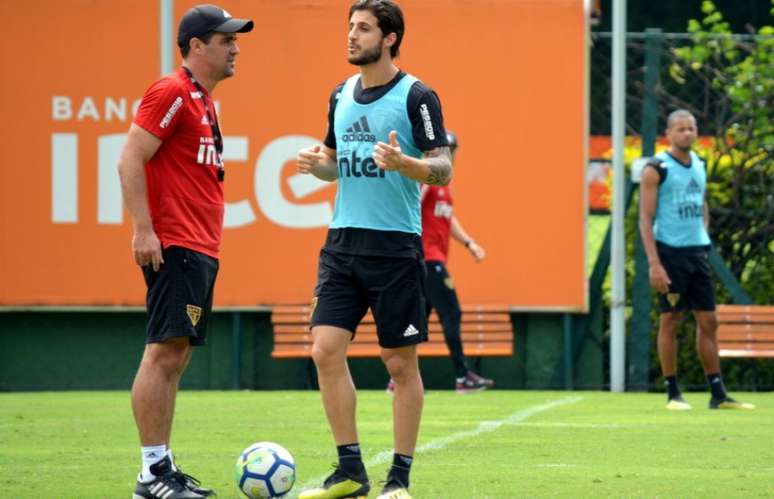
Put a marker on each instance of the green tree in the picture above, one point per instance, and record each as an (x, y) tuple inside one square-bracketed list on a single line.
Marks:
[(728, 84), (739, 75)]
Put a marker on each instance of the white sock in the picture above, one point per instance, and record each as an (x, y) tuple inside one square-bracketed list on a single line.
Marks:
[(150, 456)]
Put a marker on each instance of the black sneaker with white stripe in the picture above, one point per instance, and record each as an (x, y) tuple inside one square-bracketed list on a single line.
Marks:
[(168, 484)]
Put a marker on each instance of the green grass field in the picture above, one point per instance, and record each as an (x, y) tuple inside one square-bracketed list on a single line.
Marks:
[(499, 444)]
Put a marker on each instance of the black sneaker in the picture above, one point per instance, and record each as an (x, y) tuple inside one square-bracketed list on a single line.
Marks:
[(169, 484), (192, 483), (472, 382), (340, 485), (394, 489)]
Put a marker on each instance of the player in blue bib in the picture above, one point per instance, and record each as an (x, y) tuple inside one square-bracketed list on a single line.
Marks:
[(385, 137), (673, 223)]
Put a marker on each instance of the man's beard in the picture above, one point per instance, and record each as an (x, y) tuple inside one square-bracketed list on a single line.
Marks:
[(684, 148), (367, 56)]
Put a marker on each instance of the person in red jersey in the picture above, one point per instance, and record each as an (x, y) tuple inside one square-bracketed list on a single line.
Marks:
[(438, 223), (172, 175)]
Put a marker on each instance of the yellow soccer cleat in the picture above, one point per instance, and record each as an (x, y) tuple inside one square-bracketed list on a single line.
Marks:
[(394, 489), (400, 493), (339, 485), (678, 404), (729, 403)]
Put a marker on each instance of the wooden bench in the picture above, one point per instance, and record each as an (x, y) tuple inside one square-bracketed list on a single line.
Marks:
[(745, 330), (486, 331)]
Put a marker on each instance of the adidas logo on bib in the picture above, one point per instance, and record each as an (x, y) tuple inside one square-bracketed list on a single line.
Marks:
[(359, 132)]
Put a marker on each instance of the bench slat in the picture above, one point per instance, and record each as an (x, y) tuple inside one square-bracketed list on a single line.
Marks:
[(304, 318), (305, 309), (746, 309), (751, 346), (766, 336), (436, 349), (372, 338), (745, 331), (724, 329), (746, 318), (371, 328), (486, 330), (738, 353)]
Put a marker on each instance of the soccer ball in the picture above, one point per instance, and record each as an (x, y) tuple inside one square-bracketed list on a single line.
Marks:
[(265, 470)]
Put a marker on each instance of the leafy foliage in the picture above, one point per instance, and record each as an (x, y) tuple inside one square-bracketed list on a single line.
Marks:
[(737, 80), (739, 74), (727, 82)]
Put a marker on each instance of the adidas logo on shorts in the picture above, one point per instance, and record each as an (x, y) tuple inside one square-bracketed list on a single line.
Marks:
[(410, 330)]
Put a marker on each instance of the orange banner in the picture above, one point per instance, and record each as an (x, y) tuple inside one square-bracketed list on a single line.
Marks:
[(510, 75)]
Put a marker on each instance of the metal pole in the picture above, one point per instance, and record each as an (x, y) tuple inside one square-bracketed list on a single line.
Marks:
[(640, 325), (568, 353), (166, 34), (617, 322)]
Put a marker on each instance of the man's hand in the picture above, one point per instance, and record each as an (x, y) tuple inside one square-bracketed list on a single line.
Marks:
[(146, 248), (659, 278), (389, 156), (310, 158), (476, 250)]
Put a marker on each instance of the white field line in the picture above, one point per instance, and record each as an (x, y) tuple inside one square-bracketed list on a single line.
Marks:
[(593, 426), (440, 443)]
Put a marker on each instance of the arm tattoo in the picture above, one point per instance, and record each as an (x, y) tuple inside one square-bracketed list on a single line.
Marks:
[(439, 161)]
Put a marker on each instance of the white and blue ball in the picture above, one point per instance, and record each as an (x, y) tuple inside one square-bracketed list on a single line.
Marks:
[(265, 470)]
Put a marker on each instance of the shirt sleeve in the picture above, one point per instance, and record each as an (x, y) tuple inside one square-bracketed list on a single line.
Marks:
[(160, 108), (658, 165), (330, 136), (424, 109)]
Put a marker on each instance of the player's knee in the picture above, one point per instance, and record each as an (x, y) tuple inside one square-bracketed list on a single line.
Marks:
[(170, 356), (325, 355), (670, 321), (399, 367), (708, 324)]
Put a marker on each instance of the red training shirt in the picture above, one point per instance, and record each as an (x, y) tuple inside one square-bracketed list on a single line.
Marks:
[(436, 221), (184, 194)]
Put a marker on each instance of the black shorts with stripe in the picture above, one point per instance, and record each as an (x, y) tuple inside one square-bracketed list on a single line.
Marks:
[(179, 296)]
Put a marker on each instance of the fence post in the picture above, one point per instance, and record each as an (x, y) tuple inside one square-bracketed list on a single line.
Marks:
[(569, 368), (639, 347), (236, 350)]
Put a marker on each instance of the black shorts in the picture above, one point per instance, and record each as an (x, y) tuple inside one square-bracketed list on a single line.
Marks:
[(394, 289), (179, 298), (689, 271)]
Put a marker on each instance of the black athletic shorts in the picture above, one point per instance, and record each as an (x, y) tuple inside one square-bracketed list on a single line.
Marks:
[(689, 270), (179, 298), (394, 289)]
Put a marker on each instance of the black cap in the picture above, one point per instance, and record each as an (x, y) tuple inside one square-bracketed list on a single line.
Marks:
[(451, 138), (204, 18)]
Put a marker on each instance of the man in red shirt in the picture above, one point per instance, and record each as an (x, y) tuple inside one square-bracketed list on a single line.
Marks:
[(438, 223), (172, 182)]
